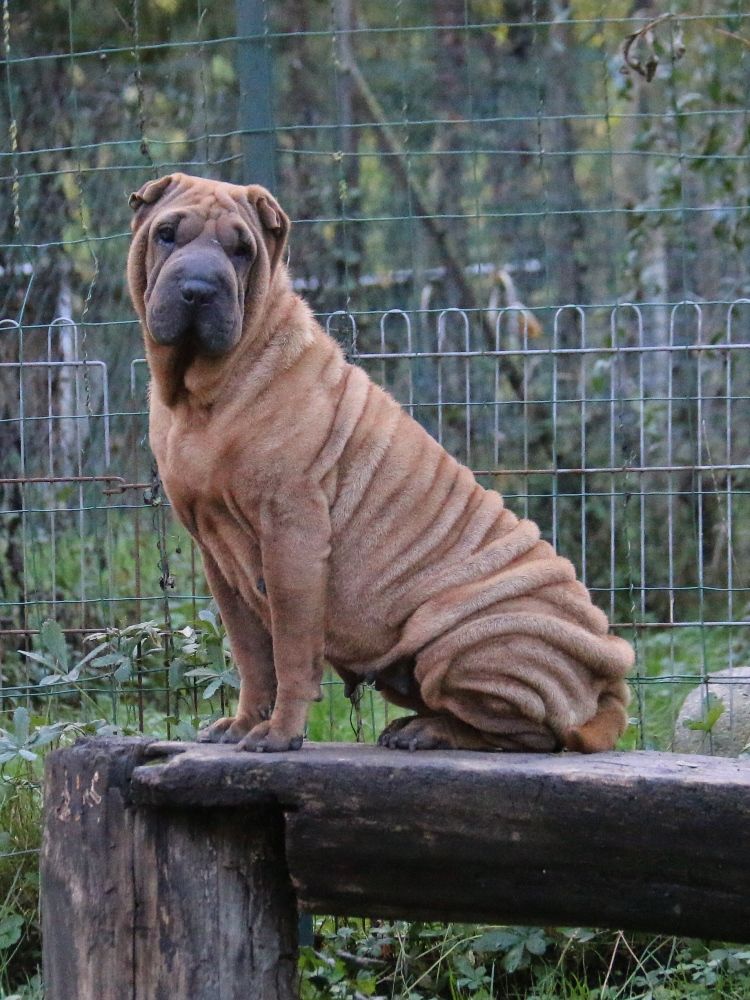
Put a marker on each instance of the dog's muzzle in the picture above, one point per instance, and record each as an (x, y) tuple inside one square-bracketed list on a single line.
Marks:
[(194, 303)]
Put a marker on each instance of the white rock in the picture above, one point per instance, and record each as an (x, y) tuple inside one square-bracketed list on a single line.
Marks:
[(730, 734)]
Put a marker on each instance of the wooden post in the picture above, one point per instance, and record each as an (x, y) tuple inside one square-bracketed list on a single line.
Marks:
[(88, 911), (154, 904), (217, 916)]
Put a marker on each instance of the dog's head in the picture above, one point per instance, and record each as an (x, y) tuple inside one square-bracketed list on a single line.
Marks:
[(203, 256)]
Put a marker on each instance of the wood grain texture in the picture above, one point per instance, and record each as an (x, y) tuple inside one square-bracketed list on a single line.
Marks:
[(159, 904), (628, 840), (217, 916), (87, 867)]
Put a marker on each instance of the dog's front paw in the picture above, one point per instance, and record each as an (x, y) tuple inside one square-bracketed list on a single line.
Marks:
[(227, 730), (265, 738)]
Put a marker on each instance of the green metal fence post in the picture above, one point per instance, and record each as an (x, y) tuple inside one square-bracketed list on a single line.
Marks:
[(255, 111)]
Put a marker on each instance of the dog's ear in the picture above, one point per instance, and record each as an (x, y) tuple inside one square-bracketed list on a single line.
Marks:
[(273, 219), (145, 196)]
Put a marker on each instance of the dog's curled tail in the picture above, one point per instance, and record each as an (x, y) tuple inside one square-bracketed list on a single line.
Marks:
[(602, 731)]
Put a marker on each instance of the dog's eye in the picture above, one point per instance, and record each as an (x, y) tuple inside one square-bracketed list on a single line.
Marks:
[(244, 250), (166, 235)]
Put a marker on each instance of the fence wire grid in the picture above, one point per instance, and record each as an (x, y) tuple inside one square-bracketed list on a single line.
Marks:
[(529, 221)]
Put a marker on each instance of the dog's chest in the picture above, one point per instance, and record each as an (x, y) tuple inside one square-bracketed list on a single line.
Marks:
[(192, 463), (189, 469), (199, 482)]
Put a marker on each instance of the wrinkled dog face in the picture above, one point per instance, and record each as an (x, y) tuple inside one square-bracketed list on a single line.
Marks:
[(204, 250), (197, 281)]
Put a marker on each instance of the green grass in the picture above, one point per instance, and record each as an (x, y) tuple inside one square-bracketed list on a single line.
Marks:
[(336, 719), (20, 837)]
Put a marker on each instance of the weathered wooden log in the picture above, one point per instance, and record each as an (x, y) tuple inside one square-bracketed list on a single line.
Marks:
[(166, 867), (140, 904), (641, 841), (88, 912)]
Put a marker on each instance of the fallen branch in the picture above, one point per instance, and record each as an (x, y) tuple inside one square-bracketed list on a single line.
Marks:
[(648, 69)]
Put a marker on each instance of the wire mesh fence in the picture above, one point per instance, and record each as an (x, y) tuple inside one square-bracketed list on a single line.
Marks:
[(632, 456), (529, 221), (458, 174)]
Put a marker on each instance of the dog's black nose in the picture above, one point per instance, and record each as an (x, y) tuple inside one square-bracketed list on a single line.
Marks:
[(198, 291)]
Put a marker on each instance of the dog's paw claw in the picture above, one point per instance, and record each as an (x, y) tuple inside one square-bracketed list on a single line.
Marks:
[(417, 732), (390, 735), (230, 729), (217, 732), (263, 739)]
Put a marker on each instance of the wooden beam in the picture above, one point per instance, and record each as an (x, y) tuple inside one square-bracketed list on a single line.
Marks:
[(640, 841)]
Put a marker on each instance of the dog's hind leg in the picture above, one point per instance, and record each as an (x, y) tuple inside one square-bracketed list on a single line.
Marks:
[(510, 693), (438, 732), (440, 729)]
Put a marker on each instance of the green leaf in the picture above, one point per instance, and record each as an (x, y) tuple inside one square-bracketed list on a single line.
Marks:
[(200, 673), (176, 672), (50, 679), (212, 688), (108, 660), (11, 927), (124, 672), (206, 615), (232, 679), (53, 642), (222, 71), (536, 943), (514, 959), (216, 655), (47, 734), (713, 711), (496, 940), (21, 725), (46, 661), (92, 654), (582, 934)]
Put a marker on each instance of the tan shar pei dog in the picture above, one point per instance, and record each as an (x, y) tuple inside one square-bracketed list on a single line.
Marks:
[(332, 526)]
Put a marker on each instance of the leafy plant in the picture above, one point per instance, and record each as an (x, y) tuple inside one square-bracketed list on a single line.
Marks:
[(204, 645), (120, 652), (455, 962), (53, 655), (713, 710), (23, 742), (519, 946)]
